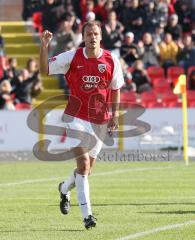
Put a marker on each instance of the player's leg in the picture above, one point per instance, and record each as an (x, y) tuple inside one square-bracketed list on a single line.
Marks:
[(66, 186), (92, 163), (64, 189), (82, 186)]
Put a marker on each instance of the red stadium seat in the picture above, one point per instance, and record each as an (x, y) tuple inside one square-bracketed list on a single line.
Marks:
[(191, 98), (155, 105), (191, 104), (173, 73), (149, 100), (190, 70), (158, 80), (169, 99), (155, 72), (127, 98), (161, 86), (175, 104), (22, 106)]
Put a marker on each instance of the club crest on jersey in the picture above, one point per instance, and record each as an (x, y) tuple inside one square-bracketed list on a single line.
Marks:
[(52, 59), (102, 67)]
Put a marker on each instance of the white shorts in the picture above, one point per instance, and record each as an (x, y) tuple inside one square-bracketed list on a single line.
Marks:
[(81, 133)]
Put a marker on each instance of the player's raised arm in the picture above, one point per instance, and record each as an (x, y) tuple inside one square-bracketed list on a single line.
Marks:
[(46, 38)]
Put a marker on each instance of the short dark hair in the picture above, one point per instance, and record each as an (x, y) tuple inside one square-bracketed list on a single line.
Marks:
[(91, 24)]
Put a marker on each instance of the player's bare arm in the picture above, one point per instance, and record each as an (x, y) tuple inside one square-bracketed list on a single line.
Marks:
[(113, 122), (46, 38)]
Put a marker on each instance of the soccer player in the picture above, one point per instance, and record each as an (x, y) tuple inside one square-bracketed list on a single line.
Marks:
[(93, 75)]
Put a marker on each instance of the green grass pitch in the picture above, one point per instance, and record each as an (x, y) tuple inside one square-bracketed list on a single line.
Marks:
[(127, 198)]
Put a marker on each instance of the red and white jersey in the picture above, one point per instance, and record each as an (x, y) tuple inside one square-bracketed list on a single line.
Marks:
[(90, 81)]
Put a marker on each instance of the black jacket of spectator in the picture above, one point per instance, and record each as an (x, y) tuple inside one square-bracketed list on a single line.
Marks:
[(192, 81), (2, 101), (152, 20), (1, 42), (112, 40), (29, 7), (130, 53), (141, 81), (176, 31), (24, 89), (130, 18), (51, 14), (185, 15)]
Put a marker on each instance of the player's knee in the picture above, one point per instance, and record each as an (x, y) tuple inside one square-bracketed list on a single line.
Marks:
[(84, 167)]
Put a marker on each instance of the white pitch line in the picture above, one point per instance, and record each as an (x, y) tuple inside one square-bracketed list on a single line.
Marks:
[(31, 181), (156, 230)]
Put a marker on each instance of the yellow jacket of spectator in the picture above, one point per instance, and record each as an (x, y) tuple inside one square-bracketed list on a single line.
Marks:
[(168, 51)]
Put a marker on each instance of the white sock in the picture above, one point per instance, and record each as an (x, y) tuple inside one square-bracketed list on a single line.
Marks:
[(82, 187), (69, 184)]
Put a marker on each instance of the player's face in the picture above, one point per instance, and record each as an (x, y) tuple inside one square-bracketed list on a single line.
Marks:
[(92, 37)]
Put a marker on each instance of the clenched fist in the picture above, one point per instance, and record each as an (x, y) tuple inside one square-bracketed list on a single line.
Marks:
[(46, 38)]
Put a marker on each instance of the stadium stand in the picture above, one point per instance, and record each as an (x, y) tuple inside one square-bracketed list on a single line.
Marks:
[(137, 22)]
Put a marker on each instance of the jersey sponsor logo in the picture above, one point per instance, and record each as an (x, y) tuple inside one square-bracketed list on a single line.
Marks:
[(91, 79), (102, 68), (90, 82)]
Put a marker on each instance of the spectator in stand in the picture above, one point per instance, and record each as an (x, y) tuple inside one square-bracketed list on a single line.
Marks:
[(74, 21), (90, 16), (152, 17), (158, 35), (86, 6), (23, 90), (132, 16), (129, 50), (12, 65), (168, 51), (11, 72), (129, 85), (112, 34), (185, 15), (64, 38), (192, 81), (102, 9), (186, 56), (29, 7), (173, 27), (140, 77), (52, 11), (1, 44), (163, 9), (32, 67), (6, 98), (149, 50)]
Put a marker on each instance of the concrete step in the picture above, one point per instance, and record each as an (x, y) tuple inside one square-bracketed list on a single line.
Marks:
[(19, 38), (26, 49), (13, 27), (51, 105), (47, 93), (50, 84)]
